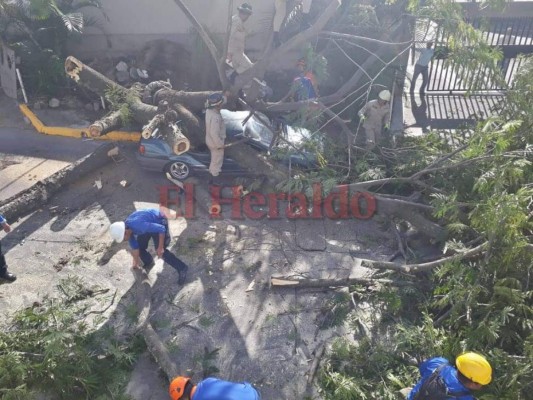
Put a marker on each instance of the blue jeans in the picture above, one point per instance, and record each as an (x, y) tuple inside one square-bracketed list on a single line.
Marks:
[(168, 257), (420, 70)]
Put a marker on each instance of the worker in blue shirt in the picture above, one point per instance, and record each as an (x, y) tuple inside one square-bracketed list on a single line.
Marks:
[(441, 380), (4, 275), (138, 229), (182, 388)]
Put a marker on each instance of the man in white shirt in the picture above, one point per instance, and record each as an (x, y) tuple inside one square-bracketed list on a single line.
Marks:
[(237, 41), (422, 67), (374, 117), (215, 132)]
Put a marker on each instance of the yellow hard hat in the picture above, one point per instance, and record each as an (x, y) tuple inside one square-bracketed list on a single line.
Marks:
[(475, 367)]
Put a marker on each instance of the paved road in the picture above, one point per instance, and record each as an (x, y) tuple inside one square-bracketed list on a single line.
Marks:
[(27, 156)]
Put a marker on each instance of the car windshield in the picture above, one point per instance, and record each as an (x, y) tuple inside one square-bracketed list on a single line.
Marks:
[(257, 131)]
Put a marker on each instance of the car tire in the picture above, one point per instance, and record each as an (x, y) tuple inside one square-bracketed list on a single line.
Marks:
[(179, 170)]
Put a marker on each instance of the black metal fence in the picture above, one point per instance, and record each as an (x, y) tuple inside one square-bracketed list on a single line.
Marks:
[(513, 36)]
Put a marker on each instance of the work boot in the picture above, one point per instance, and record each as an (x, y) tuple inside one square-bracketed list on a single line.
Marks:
[(182, 276), (8, 276)]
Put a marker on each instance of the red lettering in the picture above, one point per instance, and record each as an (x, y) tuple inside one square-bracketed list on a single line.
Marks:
[(166, 200), (370, 205), (297, 207), (217, 200), (340, 199), (273, 209), (189, 200), (250, 201), (317, 201)]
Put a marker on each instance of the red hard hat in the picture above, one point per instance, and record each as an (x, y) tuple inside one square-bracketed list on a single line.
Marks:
[(177, 387)]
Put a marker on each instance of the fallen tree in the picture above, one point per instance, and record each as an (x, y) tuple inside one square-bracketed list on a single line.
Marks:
[(34, 197), (155, 345)]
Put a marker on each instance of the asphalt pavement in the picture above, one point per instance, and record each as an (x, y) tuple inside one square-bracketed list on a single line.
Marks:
[(27, 156)]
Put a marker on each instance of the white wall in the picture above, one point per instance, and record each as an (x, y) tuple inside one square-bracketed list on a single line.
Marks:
[(134, 22)]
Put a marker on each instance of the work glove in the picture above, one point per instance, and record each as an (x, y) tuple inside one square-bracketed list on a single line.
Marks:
[(362, 118)]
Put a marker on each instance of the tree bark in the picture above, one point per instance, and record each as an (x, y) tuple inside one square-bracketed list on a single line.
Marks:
[(110, 122), (428, 266), (100, 84), (39, 194), (155, 345), (219, 60), (282, 281), (344, 90), (152, 125), (176, 140)]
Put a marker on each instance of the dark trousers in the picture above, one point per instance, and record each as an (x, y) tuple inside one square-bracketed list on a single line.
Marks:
[(3, 265), (168, 256), (419, 70)]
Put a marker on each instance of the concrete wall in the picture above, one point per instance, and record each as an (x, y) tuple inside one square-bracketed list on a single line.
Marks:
[(132, 23)]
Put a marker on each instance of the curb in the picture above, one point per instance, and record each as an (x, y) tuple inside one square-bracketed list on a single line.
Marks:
[(77, 133)]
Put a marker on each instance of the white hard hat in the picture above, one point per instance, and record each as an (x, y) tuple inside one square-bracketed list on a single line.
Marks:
[(116, 230), (384, 95)]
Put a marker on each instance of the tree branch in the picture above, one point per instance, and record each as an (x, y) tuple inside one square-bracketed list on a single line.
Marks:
[(424, 266), (207, 40), (343, 91), (260, 67)]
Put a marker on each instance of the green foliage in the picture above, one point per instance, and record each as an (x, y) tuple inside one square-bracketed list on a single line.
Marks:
[(121, 101), (38, 30), (52, 348), (483, 194)]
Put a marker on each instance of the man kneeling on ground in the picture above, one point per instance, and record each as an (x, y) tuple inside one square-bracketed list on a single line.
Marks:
[(138, 229)]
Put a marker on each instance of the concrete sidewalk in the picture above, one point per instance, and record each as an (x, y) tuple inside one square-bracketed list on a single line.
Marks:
[(27, 156)]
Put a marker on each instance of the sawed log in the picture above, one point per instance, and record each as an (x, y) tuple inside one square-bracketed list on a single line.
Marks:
[(110, 122)]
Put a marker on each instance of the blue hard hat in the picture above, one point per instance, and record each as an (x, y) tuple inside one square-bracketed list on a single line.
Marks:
[(215, 99)]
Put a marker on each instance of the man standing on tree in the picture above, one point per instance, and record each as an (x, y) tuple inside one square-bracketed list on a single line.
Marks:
[(375, 116), (182, 388), (281, 13), (441, 380), (422, 67), (4, 275), (138, 229), (215, 132), (237, 41)]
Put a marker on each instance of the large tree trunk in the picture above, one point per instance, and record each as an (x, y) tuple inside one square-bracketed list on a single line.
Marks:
[(141, 112), (193, 128), (155, 345)]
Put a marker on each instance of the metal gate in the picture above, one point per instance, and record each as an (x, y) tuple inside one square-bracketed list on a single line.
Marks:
[(514, 36)]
